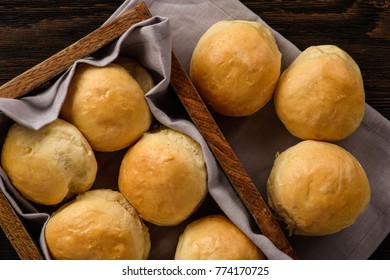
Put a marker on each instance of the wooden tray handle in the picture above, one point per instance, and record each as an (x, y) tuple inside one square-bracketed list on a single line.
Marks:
[(16, 232)]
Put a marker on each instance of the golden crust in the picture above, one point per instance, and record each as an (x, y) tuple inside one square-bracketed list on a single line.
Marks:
[(320, 96), (98, 225), (317, 188), (108, 106), (49, 164), (235, 67), (215, 237), (164, 177), (137, 71)]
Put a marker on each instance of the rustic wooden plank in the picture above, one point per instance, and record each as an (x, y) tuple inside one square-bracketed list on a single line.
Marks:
[(33, 31), (49, 68)]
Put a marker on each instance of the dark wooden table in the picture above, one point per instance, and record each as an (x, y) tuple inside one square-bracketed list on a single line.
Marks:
[(31, 31)]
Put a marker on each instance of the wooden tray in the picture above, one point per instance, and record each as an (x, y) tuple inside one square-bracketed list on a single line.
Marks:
[(11, 223)]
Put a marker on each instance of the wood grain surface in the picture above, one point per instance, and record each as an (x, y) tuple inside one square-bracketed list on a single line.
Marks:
[(16, 232), (60, 61), (32, 31)]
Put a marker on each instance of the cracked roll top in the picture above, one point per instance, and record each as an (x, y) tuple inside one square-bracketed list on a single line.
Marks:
[(50, 164)]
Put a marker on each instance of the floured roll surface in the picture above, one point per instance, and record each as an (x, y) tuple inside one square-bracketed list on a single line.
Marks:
[(235, 67), (215, 237), (108, 106), (98, 225), (317, 188), (50, 164), (320, 96), (164, 176)]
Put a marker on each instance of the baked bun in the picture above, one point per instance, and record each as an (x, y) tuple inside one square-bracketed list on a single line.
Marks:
[(320, 96), (108, 106), (215, 237), (317, 188), (98, 225), (235, 67), (164, 177), (137, 71), (50, 164)]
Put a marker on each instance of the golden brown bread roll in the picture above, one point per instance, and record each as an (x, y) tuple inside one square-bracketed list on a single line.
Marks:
[(215, 237), (235, 67), (320, 96), (317, 188), (164, 177), (98, 225), (108, 106), (50, 164)]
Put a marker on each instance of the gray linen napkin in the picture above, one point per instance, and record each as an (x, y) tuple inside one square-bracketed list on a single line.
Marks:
[(255, 139)]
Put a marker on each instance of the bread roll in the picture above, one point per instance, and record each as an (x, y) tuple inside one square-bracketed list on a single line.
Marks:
[(108, 106), (137, 71), (320, 96), (50, 164), (317, 188), (235, 67), (164, 177), (98, 225), (215, 237)]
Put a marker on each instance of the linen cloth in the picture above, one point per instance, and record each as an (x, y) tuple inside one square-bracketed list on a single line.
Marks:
[(178, 25)]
